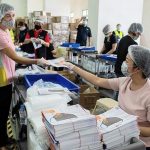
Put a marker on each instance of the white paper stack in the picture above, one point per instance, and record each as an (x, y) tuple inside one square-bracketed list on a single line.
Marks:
[(116, 127), (72, 128)]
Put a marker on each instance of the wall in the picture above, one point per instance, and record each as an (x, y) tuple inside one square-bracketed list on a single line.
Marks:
[(34, 5), (77, 6), (119, 11), (94, 21), (58, 7), (146, 24), (19, 5)]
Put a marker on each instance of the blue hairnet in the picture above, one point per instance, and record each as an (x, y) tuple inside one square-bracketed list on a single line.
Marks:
[(107, 29), (135, 28), (4, 8), (141, 57)]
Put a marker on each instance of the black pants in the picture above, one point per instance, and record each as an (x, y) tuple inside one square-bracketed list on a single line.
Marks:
[(5, 101), (147, 148)]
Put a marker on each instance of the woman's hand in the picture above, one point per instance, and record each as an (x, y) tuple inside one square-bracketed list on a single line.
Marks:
[(69, 65)]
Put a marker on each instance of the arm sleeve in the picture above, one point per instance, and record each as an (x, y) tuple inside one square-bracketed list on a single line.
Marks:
[(27, 36), (47, 38), (114, 39), (114, 84), (4, 42), (90, 33), (148, 110)]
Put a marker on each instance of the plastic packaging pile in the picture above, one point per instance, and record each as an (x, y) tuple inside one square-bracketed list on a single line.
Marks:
[(35, 103)]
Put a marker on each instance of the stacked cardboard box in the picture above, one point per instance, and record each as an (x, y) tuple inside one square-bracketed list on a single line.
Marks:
[(73, 32), (60, 28)]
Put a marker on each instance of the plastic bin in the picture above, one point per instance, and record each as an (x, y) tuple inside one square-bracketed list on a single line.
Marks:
[(70, 45), (54, 78), (85, 49), (109, 57)]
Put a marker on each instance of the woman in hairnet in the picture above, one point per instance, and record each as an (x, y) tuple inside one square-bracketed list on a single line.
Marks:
[(134, 32), (8, 57), (110, 41), (134, 89)]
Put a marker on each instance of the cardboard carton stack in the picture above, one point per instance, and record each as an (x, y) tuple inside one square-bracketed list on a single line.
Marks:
[(60, 29), (73, 32)]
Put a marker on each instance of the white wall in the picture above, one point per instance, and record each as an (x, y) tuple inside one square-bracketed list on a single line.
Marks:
[(119, 11), (58, 7), (94, 21), (19, 5), (146, 24), (34, 5), (77, 6)]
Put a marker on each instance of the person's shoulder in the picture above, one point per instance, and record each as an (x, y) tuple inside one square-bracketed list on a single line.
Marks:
[(126, 38), (88, 27), (113, 35), (124, 80)]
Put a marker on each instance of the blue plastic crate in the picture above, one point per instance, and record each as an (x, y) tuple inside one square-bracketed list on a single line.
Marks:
[(54, 78), (70, 45), (82, 48), (109, 57)]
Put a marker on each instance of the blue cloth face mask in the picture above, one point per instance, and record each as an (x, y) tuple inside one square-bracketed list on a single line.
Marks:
[(8, 24)]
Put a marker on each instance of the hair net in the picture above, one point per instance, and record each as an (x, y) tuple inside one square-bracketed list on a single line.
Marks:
[(107, 29), (141, 56), (135, 28), (4, 8), (42, 21)]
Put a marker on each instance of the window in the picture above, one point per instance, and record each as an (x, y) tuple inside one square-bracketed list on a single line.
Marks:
[(85, 13)]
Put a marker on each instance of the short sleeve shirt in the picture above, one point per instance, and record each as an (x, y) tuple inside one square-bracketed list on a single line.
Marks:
[(134, 102), (7, 65), (108, 42), (36, 34), (83, 32)]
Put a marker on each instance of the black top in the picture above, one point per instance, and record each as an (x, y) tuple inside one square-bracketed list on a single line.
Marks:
[(122, 52), (82, 33), (108, 42), (22, 35)]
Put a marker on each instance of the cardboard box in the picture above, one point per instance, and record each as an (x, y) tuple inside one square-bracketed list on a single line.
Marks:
[(60, 19), (49, 26), (48, 14), (103, 105), (56, 26), (49, 19), (65, 26), (39, 13), (88, 98), (64, 32), (73, 26), (56, 32), (69, 75)]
